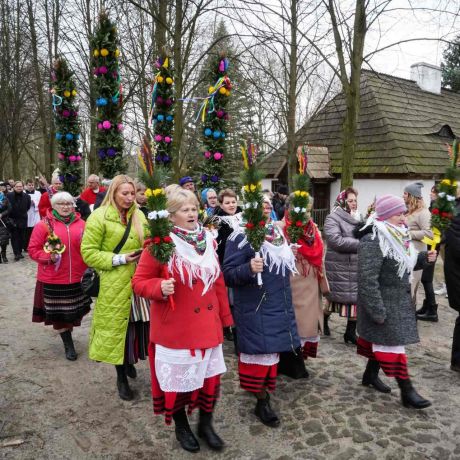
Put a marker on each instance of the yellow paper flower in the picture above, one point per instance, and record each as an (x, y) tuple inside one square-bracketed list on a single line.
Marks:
[(222, 90), (104, 52), (211, 89), (304, 194), (66, 93), (160, 79), (253, 188), (297, 193), (169, 80), (74, 92), (445, 182), (96, 53), (246, 188), (117, 52), (227, 92), (148, 192), (157, 191)]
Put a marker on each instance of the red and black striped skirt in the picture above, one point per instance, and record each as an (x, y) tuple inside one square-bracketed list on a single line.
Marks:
[(392, 364), (168, 402), (256, 377)]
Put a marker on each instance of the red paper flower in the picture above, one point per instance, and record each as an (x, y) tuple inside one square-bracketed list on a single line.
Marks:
[(249, 225), (447, 215), (298, 223), (157, 240), (167, 239), (262, 223), (435, 211)]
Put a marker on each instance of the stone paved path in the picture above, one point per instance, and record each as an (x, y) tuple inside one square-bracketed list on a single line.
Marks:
[(54, 409)]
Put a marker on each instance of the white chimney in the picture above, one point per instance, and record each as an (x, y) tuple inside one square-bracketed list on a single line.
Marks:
[(427, 77)]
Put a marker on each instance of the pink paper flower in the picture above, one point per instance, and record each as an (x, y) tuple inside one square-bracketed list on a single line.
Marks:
[(106, 124), (78, 158), (220, 113), (120, 126), (65, 113), (207, 154), (218, 156), (61, 156), (99, 126), (72, 158), (103, 70), (167, 139), (158, 138)]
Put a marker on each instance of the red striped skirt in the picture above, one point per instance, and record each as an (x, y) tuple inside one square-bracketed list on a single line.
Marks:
[(310, 350), (392, 364), (167, 402), (256, 378)]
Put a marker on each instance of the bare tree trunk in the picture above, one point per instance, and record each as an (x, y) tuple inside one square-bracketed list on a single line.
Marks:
[(291, 159), (42, 108), (160, 26)]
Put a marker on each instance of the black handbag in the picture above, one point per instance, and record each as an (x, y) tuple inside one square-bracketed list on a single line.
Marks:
[(90, 279)]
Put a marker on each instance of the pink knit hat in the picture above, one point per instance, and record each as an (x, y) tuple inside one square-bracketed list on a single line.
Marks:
[(388, 206)]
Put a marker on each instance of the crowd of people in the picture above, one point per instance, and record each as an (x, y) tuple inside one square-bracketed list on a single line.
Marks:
[(274, 304)]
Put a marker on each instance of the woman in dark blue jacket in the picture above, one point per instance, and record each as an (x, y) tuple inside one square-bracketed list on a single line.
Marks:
[(264, 315)]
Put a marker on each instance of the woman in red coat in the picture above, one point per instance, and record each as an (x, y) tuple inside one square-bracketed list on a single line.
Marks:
[(59, 299), (185, 351)]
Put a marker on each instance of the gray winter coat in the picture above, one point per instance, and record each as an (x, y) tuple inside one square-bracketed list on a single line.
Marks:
[(341, 257), (386, 314)]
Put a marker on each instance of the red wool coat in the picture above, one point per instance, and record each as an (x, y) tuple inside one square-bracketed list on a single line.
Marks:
[(90, 195), (71, 268), (197, 320)]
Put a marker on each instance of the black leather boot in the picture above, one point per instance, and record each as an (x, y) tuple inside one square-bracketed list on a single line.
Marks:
[(206, 431), (431, 314), (292, 364), (409, 397), (69, 348), (131, 371), (371, 377), (124, 391), (350, 332), (184, 434), (326, 330), (228, 334), (423, 309), (265, 413), (4, 259)]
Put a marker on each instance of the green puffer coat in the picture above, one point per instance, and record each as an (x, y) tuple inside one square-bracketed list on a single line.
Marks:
[(103, 232)]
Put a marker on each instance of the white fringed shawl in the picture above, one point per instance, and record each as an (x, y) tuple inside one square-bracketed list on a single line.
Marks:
[(191, 265), (392, 246)]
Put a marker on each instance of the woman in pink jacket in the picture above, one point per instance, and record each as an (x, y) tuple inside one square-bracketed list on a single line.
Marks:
[(59, 299)]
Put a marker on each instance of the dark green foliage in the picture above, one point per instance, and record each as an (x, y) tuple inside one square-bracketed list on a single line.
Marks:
[(215, 124), (451, 66), (253, 211), (67, 126), (161, 110), (298, 207), (106, 80)]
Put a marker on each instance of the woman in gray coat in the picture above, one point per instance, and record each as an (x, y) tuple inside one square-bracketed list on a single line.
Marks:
[(342, 261), (386, 316)]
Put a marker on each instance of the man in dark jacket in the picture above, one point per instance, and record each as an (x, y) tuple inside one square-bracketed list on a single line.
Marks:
[(20, 204), (279, 201), (452, 276)]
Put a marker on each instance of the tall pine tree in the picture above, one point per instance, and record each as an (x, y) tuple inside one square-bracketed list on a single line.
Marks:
[(67, 126), (107, 81), (451, 66)]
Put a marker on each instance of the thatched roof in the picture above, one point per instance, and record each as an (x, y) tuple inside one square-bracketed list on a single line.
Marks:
[(402, 129)]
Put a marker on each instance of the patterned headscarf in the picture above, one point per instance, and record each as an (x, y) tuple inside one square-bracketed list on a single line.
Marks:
[(341, 202)]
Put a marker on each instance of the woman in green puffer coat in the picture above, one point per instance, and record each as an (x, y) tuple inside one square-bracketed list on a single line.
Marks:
[(109, 340)]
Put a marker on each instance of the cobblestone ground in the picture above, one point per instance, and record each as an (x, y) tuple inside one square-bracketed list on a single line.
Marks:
[(56, 409)]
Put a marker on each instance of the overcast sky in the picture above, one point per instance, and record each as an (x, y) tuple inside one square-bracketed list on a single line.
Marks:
[(402, 25)]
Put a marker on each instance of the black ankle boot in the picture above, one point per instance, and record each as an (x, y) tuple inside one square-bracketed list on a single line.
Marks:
[(326, 330), (124, 391), (184, 434), (131, 371), (350, 332), (409, 397), (430, 314), (292, 364), (371, 377), (206, 431), (265, 413), (69, 348), (423, 309)]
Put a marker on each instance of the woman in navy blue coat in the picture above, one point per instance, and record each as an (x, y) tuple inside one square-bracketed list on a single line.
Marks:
[(264, 315)]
